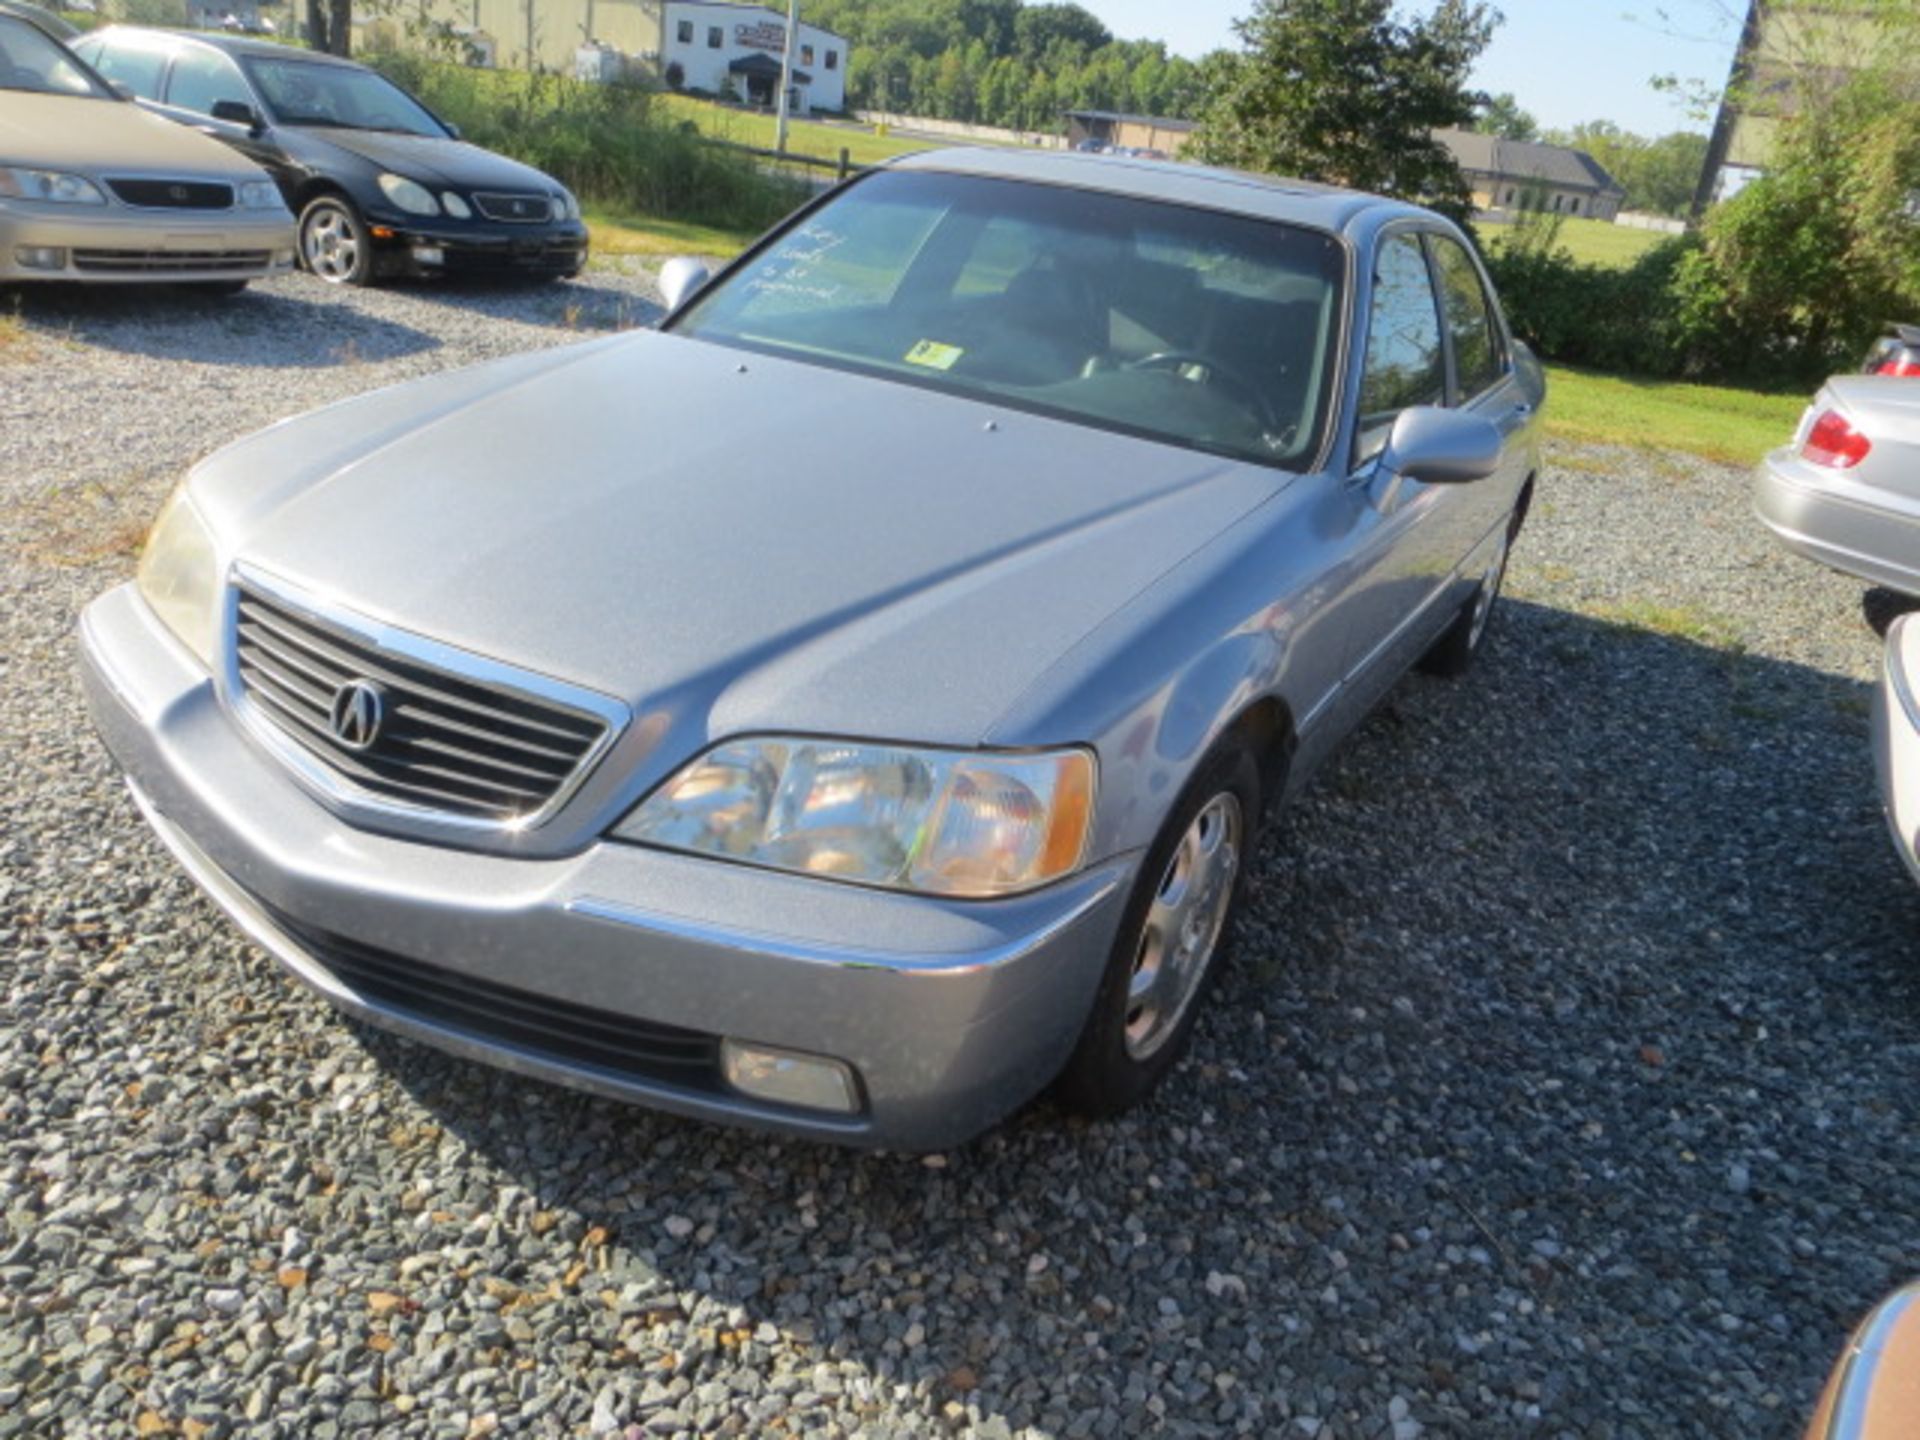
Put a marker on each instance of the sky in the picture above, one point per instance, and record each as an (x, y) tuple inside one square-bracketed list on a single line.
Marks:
[(1566, 60)]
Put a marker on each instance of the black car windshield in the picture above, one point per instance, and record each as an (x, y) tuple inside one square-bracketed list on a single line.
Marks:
[(1210, 330), (306, 92), (29, 60)]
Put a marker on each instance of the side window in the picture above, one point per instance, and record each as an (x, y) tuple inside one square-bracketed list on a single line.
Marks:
[(1405, 364), (806, 54), (202, 77), (1476, 349), (134, 66), (685, 32), (713, 37), (833, 59)]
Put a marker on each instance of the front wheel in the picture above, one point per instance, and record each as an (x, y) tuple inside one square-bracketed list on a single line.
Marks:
[(1172, 939), (335, 244), (1453, 652)]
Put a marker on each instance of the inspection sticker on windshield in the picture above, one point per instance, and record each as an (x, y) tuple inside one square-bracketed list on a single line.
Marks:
[(934, 355)]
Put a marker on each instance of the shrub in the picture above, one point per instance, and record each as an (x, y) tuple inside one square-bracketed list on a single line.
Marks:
[(610, 143)]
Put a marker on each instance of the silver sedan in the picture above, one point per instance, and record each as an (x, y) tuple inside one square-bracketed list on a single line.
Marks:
[(1845, 491), (851, 706)]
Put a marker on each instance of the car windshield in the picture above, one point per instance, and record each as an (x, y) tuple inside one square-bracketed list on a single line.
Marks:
[(303, 92), (29, 60), (1209, 330)]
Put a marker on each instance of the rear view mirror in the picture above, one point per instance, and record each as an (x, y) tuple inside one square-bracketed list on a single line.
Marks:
[(681, 279), (236, 112), (1442, 447)]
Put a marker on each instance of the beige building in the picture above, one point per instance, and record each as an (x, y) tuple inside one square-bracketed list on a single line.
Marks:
[(1515, 174), (1115, 131), (1790, 50), (549, 34)]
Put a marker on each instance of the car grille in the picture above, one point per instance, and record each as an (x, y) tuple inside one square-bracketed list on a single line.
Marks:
[(171, 262), (447, 743), (173, 194), (560, 1029), (521, 209)]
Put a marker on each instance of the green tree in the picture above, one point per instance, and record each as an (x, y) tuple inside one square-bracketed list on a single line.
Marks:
[(1344, 91), (1501, 115)]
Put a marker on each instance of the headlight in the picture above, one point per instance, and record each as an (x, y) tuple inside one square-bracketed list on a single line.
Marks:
[(259, 195), (410, 195), (565, 207), (50, 185), (456, 207), (180, 575), (946, 822)]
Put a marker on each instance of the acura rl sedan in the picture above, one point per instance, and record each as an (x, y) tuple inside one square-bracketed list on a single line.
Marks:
[(853, 705), (93, 188), (382, 186)]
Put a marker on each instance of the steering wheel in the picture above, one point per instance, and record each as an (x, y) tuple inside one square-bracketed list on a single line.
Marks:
[(1250, 393)]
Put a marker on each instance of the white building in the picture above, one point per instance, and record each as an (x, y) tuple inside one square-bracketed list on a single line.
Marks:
[(724, 47)]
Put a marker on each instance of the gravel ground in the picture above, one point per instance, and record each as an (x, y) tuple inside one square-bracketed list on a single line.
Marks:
[(1564, 1086)]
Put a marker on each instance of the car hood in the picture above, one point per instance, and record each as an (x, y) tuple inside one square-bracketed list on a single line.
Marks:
[(108, 137), (727, 542), (432, 160)]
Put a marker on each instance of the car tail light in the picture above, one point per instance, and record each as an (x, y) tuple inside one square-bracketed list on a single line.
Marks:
[(1835, 443), (1898, 365)]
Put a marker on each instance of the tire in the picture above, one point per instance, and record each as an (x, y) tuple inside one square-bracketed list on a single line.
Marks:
[(1453, 653), (1137, 1031), (1880, 607), (335, 244)]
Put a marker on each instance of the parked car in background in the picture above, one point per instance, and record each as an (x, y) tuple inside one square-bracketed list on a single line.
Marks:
[(1895, 353), (1873, 1392), (94, 188), (564, 714), (55, 25), (1846, 490), (382, 187)]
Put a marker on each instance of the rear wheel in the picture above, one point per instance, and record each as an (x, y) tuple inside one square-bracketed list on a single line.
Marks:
[(335, 244), (1172, 940)]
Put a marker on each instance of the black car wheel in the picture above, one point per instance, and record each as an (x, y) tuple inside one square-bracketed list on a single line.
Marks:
[(335, 243), (1172, 940)]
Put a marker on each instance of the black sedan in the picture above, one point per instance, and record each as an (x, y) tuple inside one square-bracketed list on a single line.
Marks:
[(382, 186)]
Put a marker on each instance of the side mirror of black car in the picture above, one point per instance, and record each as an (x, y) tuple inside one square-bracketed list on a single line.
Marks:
[(237, 112), (453, 129)]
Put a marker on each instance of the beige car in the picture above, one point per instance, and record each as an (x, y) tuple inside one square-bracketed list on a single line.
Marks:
[(94, 188)]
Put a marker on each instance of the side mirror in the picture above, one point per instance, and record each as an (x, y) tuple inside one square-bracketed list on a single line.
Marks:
[(453, 129), (237, 112), (1441, 447), (681, 279), (122, 89)]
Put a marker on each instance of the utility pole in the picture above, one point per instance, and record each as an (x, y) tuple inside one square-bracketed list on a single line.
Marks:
[(786, 75)]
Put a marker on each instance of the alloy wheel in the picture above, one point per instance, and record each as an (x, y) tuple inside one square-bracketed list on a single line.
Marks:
[(1183, 925)]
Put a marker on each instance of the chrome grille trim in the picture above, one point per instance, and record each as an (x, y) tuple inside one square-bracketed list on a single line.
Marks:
[(167, 262), (501, 207), (470, 743)]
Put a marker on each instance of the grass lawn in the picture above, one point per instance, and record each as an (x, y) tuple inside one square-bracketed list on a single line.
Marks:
[(1592, 242), (804, 137), (647, 235), (1735, 427)]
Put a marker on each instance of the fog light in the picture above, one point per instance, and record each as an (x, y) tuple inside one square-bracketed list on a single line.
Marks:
[(788, 1077), (429, 255), (41, 257)]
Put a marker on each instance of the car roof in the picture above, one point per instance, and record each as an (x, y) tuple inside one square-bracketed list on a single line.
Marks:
[(236, 45), (1266, 197)]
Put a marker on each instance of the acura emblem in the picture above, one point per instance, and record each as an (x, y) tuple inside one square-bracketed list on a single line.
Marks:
[(356, 714), (176, 192)]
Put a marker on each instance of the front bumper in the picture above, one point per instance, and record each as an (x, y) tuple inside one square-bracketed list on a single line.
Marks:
[(478, 249), (1896, 748), (114, 244), (1859, 530), (950, 1014)]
